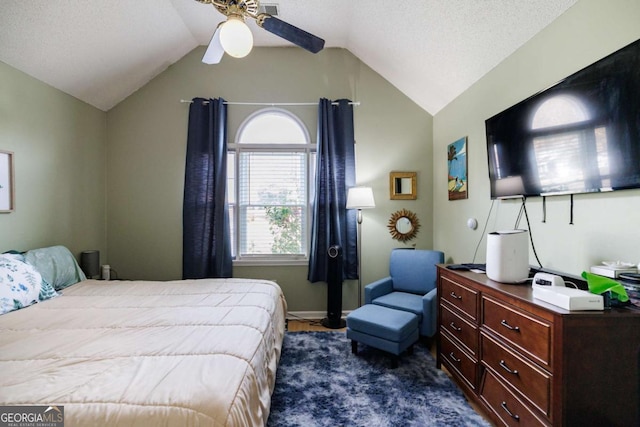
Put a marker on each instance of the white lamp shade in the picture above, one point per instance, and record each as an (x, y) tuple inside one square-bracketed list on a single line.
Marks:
[(509, 186), (360, 198), (236, 38)]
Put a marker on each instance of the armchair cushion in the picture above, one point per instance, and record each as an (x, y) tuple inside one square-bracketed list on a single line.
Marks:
[(414, 270), (402, 301)]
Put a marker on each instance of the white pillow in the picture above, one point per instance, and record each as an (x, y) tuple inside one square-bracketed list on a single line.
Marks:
[(20, 284)]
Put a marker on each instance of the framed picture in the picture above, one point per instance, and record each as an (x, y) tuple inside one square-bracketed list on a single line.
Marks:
[(6, 182), (403, 185), (457, 169)]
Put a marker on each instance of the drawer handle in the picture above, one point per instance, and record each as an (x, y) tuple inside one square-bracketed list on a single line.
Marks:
[(453, 295), (511, 414), (508, 326), (506, 368), (454, 358), (454, 327)]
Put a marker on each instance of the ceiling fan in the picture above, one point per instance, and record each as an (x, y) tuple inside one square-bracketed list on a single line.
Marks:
[(234, 37)]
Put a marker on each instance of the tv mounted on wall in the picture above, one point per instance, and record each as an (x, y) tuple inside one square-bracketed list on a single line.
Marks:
[(582, 135)]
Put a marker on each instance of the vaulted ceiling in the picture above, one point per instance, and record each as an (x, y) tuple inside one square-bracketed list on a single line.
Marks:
[(103, 51)]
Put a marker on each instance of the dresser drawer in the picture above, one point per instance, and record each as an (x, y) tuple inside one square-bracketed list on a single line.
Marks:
[(458, 360), (531, 335), (533, 383), (510, 410), (465, 299), (465, 332)]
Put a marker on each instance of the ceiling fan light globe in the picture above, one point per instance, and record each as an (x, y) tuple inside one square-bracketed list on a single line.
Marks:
[(236, 38)]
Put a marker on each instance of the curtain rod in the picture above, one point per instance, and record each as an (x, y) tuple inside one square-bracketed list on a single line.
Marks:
[(270, 104)]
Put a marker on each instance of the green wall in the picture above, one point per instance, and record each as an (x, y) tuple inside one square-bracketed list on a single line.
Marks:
[(604, 224), (146, 149), (59, 155), (94, 180)]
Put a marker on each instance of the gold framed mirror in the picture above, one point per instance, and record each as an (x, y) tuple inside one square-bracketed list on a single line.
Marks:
[(403, 185), (403, 225)]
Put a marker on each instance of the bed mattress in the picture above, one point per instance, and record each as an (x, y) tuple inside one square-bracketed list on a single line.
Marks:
[(125, 353)]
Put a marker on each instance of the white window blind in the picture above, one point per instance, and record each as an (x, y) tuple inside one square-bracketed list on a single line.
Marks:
[(272, 202)]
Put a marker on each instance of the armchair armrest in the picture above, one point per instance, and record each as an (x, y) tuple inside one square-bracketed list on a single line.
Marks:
[(377, 289), (430, 312)]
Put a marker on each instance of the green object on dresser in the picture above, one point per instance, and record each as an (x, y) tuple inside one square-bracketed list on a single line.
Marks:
[(600, 284)]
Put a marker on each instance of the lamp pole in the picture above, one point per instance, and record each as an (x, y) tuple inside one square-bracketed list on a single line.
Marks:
[(360, 198), (359, 248)]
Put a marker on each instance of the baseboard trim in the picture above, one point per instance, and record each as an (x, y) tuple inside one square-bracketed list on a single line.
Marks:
[(311, 315)]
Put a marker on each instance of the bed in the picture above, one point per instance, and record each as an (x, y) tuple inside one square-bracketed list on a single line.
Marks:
[(190, 352)]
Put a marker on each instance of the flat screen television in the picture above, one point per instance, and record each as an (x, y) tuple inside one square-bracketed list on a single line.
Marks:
[(582, 135)]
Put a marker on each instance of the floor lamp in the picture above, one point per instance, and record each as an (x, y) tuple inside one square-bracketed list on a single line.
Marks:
[(360, 198)]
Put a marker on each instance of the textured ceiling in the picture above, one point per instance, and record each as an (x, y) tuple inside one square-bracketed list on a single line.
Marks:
[(431, 50)]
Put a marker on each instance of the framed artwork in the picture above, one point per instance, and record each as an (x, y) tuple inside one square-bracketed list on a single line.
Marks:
[(403, 185), (6, 182), (457, 169)]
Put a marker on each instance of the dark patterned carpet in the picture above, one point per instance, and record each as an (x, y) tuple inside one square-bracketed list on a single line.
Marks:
[(321, 383)]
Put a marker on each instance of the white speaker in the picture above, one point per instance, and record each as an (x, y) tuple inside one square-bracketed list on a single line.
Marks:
[(106, 272), (508, 256)]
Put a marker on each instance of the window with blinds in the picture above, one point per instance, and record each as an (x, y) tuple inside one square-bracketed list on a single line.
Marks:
[(269, 180), (571, 161)]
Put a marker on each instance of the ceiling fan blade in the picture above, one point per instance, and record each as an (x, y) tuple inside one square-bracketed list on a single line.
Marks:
[(214, 52), (293, 34)]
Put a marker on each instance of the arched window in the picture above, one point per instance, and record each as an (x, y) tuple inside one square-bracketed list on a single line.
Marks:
[(272, 126), (271, 165), (564, 130), (559, 110)]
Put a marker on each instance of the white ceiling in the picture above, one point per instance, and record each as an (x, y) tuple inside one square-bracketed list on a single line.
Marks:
[(102, 51)]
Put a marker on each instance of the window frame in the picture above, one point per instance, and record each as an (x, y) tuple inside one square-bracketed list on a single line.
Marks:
[(309, 148), (586, 129)]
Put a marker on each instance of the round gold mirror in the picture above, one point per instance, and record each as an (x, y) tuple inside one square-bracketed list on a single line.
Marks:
[(403, 225)]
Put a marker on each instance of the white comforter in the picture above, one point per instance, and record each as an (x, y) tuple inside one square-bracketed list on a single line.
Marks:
[(183, 353)]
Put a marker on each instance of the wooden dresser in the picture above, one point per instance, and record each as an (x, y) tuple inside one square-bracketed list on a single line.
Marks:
[(530, 363)]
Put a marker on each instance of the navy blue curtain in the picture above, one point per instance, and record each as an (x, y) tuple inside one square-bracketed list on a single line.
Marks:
[(206, 242), (332, 224)]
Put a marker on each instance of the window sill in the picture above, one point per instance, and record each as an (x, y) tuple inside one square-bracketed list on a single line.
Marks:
[(270, 262)]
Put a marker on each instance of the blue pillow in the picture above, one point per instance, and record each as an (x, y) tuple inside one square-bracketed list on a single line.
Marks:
[(57, 265)]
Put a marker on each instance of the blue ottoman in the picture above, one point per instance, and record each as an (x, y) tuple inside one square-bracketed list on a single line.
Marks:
[(384, 328)]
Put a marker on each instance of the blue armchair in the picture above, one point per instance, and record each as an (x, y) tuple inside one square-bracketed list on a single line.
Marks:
[(411, 286)]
